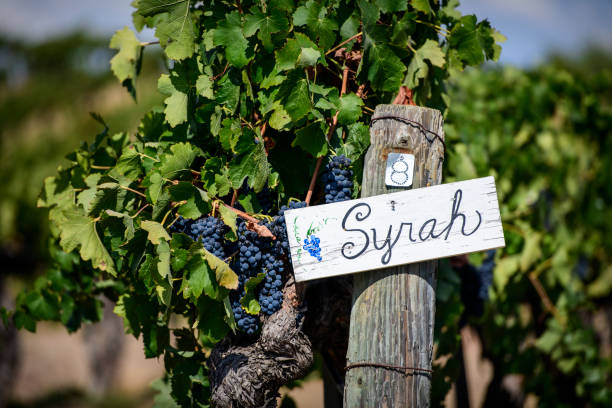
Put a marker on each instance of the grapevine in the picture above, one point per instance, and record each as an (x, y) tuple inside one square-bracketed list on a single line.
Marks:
[(186, 217)]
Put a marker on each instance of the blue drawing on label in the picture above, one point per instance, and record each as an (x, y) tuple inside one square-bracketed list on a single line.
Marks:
[(311, 245)]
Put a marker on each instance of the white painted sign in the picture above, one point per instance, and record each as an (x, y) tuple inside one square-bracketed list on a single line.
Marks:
[(399, 170), (394, 229)]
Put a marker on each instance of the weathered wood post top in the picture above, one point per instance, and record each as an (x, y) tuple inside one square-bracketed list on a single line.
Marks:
[(392, 318)]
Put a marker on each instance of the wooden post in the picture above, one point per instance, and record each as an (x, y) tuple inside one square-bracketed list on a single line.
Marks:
[(392, 317)]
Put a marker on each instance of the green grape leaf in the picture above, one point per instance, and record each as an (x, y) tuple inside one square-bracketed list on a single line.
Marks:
[(215, 177), (279, 118), (531, 250), (56, 191), (313, 15), (549, 340), (175, 26), (228, 94), (312, 139), (155, 338), (199, 279), (350, 109), (78, 230), (223, 273), (128, 223), (297, 52), (474, 41), (128, 166), (176, 102), (504, 270), (357, 142), (156, 231), (266, 25), (147, 270), (204, 87), (389, 6), (85, 197), (383, 68), (164, 282), (421, 5), (229, 35), (196, 200), (253, 165), (418, 68), (350, 27), (295, 96), (212, 321), (126, 63), (229, 218), (154, 189), (42, 307), (178, 160), (109, 195), (450, 10), (249, 300)]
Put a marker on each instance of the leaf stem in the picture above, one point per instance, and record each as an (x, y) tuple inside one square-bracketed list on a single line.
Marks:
[(140, 210), (214, 78), (148, 157), (144, 44), (93, 166), (344, 42), (132, 190), (548, 304), (176, 204), (438, 28), (332, 128)]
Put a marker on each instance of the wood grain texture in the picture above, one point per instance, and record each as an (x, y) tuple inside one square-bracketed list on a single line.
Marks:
[(395, 229), (392, 316)]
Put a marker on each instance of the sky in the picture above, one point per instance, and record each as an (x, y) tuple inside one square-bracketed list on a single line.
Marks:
[(534, 28)]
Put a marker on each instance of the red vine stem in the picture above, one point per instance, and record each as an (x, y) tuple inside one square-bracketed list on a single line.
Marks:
[(332, 128), (214, 78), (344, 42)]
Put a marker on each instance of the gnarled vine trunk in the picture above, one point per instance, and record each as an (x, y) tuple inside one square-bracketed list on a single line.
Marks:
[(249, 375)]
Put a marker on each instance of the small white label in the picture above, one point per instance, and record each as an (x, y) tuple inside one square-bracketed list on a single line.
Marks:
[(400, 168)]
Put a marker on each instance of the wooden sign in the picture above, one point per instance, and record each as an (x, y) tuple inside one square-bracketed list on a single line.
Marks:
[(394, 229)]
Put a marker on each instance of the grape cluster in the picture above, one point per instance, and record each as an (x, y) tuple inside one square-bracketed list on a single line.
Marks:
[(485, 274), (279, 228), (251, 254), (247, 323), (271, 294), (266, 200), (181, 225), (312, 246), (207, 230), (338, 180), (475, 284)]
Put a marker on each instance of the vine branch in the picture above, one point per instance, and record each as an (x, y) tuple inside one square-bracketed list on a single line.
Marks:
[(359, 34), (332, 128)]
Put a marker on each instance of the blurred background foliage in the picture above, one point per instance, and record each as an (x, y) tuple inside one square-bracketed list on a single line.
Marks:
[(46, 91), (544, 133)]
